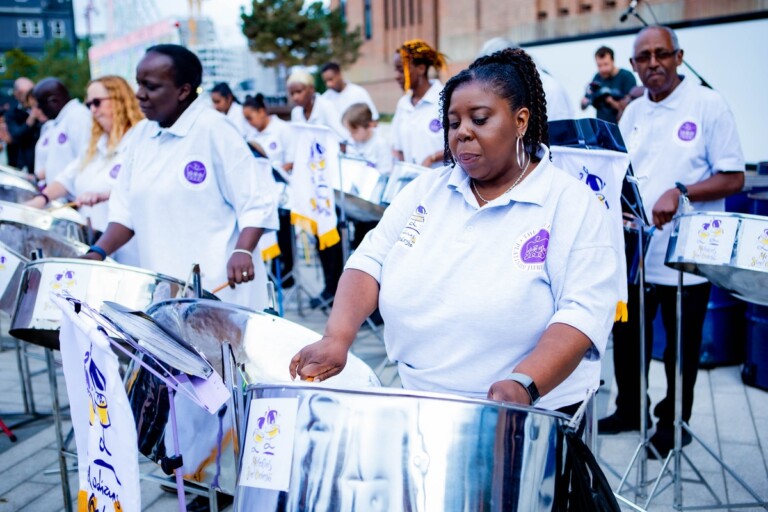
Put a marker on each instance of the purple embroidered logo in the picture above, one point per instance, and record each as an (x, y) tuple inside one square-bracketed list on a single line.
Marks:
[(687, 131), (195, 172), (62, 138), (45, 141), (435, 125), (115, 171), (273, 145), (534, 250)]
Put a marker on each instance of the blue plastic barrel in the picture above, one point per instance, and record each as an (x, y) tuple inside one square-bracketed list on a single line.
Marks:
[(755, 369), (723, 335)]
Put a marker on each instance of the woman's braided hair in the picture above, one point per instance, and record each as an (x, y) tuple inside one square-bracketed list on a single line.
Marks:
[(512, 75), (419, 52)]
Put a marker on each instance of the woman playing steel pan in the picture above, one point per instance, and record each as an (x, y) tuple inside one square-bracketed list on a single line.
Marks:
[(190, 192), (90, 177), (495, 275)]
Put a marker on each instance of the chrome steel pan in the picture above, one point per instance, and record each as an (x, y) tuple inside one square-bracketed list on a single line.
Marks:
[(729, 249), (36, 319), (262, 345), (393, 450), (17, 243), (64, 222)]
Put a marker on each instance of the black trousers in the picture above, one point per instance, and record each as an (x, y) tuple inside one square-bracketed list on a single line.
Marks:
[(626, 348), (285, 241)]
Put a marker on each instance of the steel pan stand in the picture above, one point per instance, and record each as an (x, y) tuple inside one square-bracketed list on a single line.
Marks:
[(676, 455), (640, 455)]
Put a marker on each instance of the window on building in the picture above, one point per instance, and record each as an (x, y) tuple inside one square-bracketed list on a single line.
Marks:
[(394, 13), (411, 16), (402, 13), (36, 28), (30, 28), (2, 64), (368, 17), (58, 28), (386, 14)]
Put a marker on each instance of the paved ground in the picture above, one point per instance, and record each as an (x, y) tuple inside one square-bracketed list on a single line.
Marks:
[(730, 417)]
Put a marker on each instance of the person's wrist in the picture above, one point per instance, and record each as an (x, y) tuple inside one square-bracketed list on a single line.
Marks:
[(44, 197), (98, 250), (242, 251)]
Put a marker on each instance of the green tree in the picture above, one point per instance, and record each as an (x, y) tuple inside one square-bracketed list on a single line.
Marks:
[(59, 61), (73, 69), (288, 33)]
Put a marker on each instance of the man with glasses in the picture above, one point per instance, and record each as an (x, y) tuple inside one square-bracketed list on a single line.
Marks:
[(683, 141), (69, 128)]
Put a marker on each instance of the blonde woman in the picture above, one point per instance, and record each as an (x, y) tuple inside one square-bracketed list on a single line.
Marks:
[(91, 176)]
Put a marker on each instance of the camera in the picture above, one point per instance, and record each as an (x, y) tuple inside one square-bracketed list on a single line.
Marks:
[(597, 93)]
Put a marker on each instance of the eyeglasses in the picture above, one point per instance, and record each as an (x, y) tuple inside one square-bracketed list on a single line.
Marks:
[(660, 55), (96, 102)]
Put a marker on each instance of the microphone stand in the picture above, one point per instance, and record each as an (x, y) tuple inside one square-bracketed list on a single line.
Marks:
[(633, 12)]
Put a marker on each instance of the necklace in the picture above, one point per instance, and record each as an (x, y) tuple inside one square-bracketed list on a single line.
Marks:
[(486, 201)]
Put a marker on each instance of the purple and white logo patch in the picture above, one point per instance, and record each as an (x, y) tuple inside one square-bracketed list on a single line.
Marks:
[(45, 141), (435, 125), (531, 249), (687, 131), (114, 171), (273, 145), (195, 172), (62, 138)]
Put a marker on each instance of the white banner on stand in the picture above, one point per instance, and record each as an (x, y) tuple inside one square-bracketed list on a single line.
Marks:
[(105, 430), (603, 172), (315, 175)]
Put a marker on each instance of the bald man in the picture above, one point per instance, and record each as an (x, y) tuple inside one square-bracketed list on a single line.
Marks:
[(69, 131), (23, 129)]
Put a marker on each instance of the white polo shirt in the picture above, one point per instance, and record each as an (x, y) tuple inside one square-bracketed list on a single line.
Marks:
[(323, 113), (67, 138), (351, 94), (276, 140), (467, 292), (375, 150), (100, 175), (558, 104), (187, 191), (41, 148), (687, 137), (235, 114), (417, 130)]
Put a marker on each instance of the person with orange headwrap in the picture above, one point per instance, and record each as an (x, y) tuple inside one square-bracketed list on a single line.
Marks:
[(416, 126)]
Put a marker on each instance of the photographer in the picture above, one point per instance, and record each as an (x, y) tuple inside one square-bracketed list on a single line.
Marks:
[(609, 91)]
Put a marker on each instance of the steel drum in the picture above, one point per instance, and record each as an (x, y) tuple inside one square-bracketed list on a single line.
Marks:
[(13, 171), (402, 174), (360, 190), (394, 450), (729, 249), (64, 222), (263, 346), (16, 189), (17, 243), (36, 319)]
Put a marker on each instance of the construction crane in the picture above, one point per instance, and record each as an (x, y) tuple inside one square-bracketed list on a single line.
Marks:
[(195, 12), (90, 10)]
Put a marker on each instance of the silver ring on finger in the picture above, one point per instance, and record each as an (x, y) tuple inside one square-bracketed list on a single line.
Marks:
[(245, 274)]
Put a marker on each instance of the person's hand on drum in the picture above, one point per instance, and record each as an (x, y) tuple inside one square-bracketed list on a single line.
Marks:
[(91, 198), (320, 360), (509, 391), (666, 207), (240, 267)]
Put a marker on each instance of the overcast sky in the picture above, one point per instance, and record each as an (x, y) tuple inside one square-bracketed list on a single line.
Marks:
[(225, 14)]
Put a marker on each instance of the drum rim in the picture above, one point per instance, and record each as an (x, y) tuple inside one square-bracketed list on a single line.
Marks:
[(40, 213), (110, 264), (17, 182), (408, 393), (710, 213), (219, 304), (50, 234)]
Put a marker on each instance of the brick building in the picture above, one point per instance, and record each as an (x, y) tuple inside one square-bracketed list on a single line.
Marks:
[(459, 28)]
